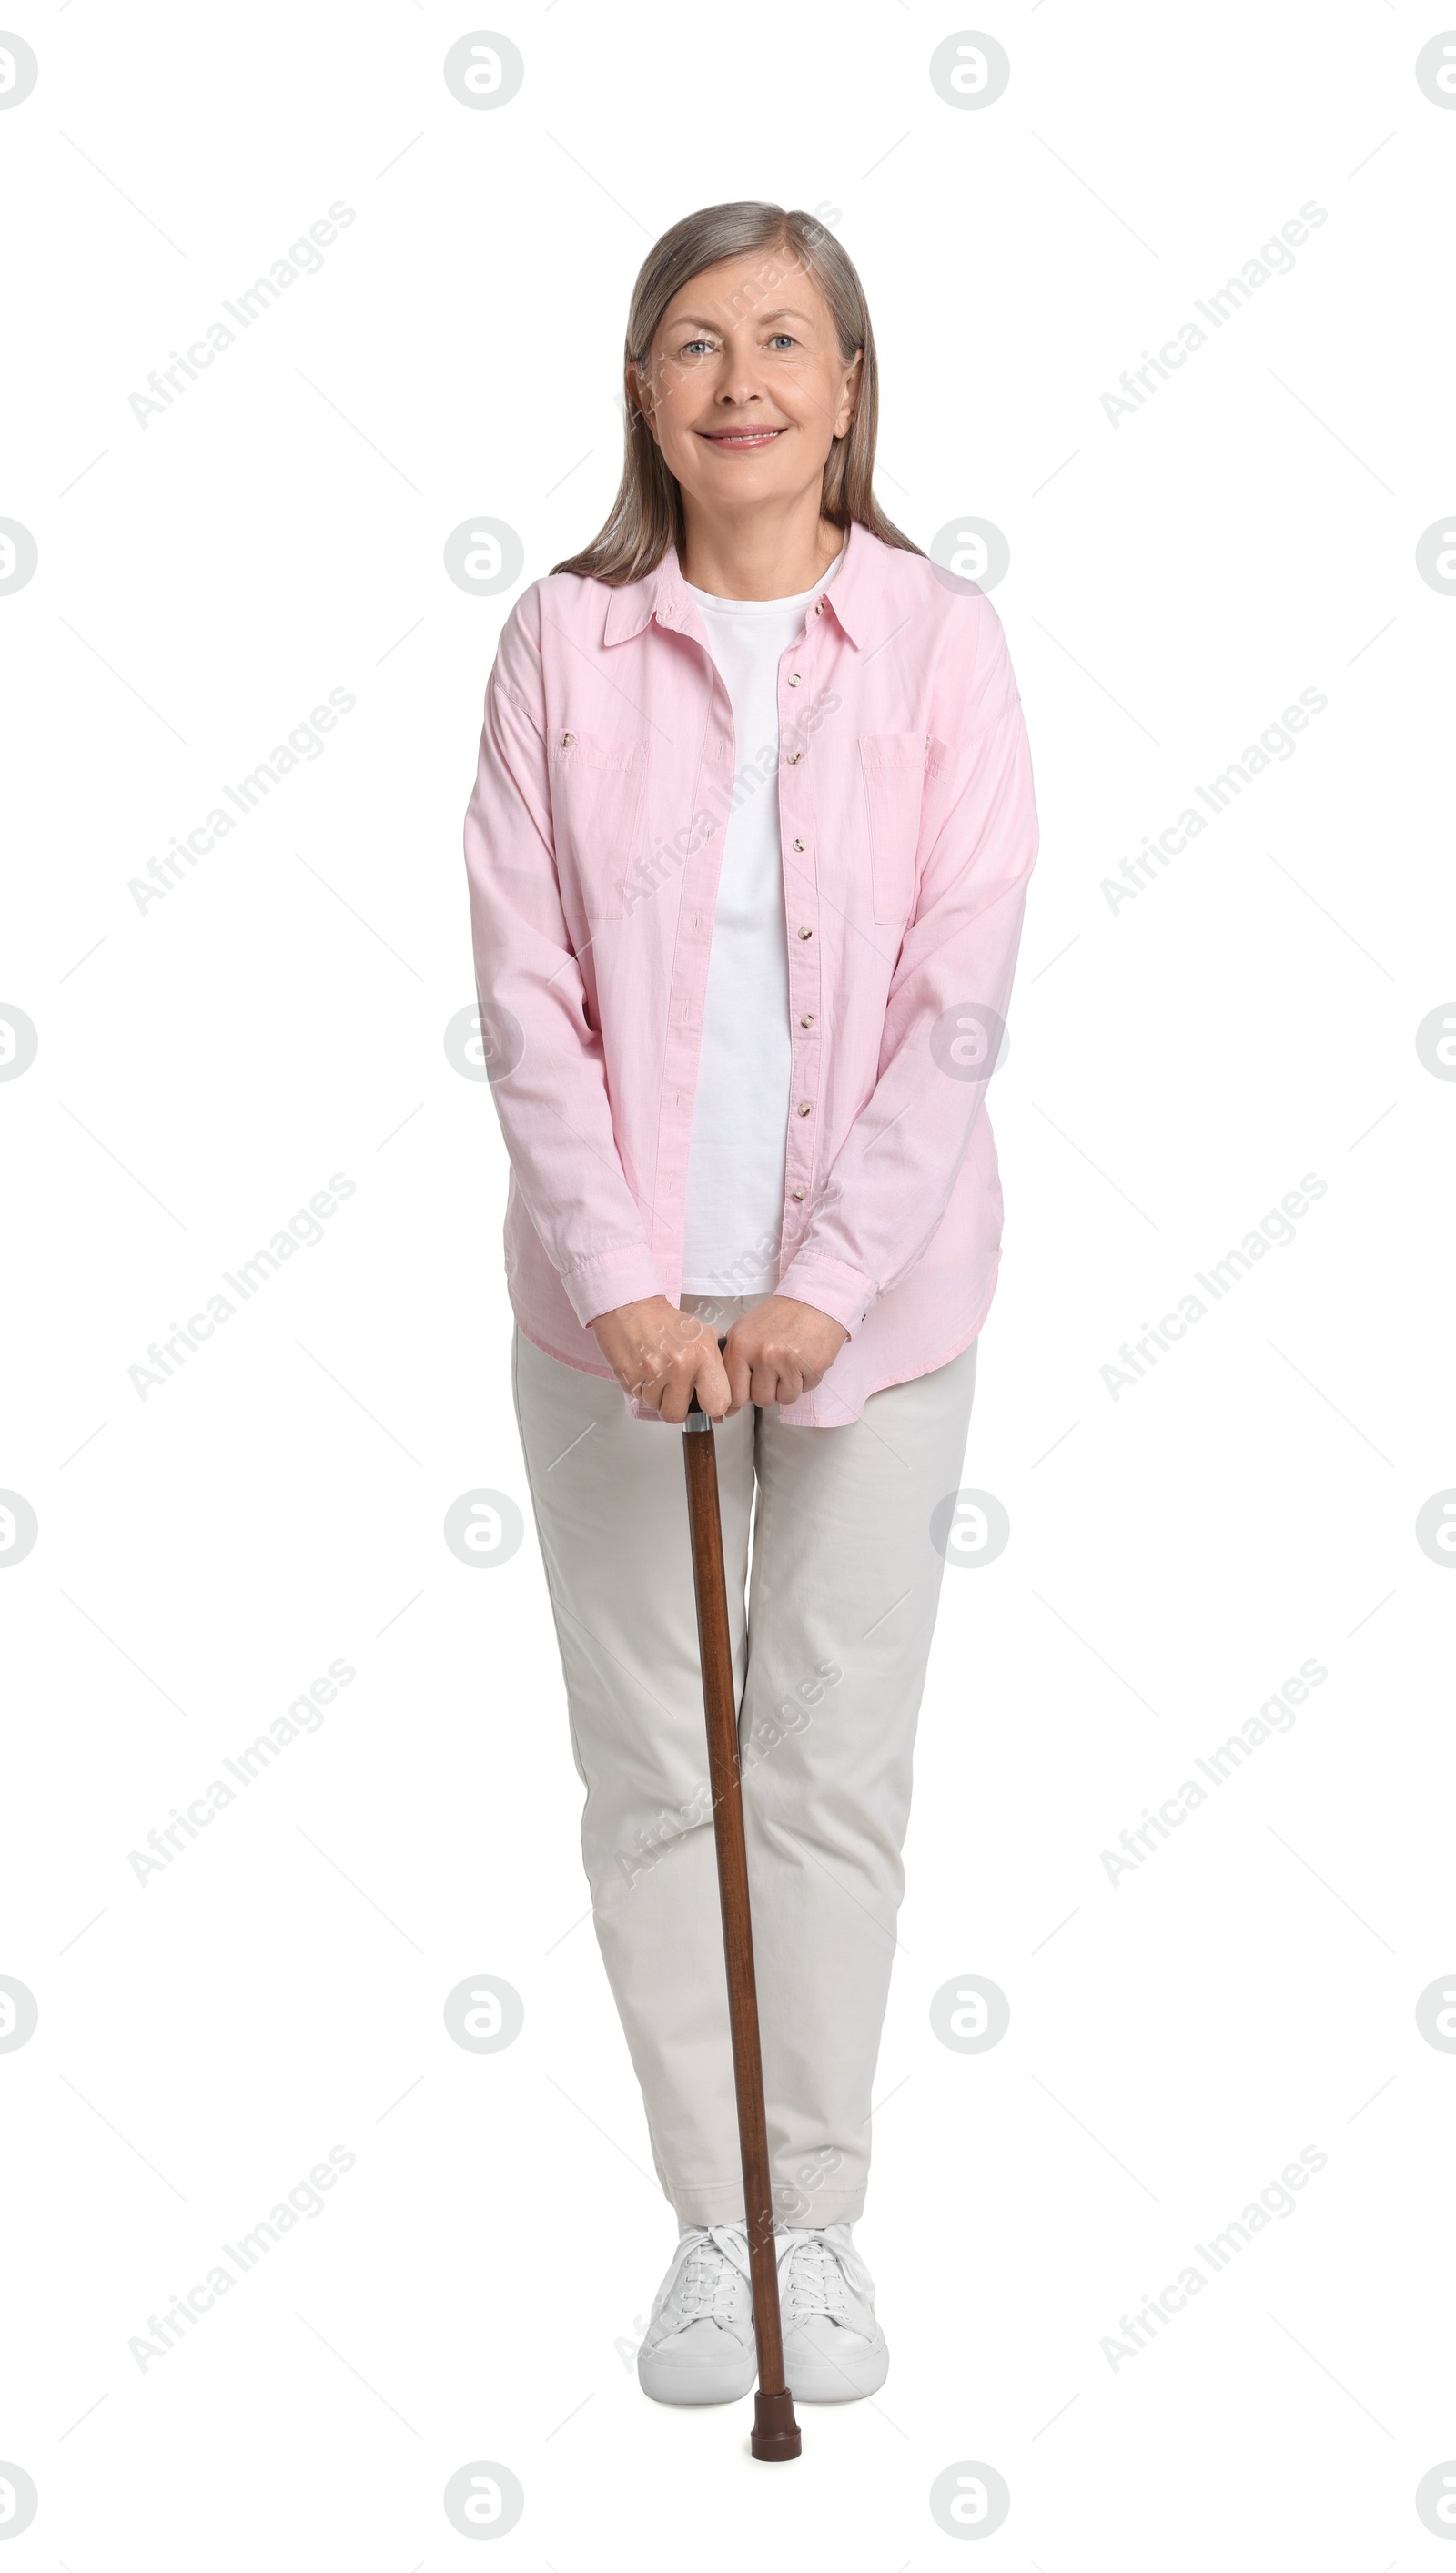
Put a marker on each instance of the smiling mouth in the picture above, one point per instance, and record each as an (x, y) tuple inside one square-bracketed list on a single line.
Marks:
[(741, 437)]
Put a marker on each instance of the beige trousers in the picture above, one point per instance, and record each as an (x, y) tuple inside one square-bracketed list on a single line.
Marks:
[(830, 1656)]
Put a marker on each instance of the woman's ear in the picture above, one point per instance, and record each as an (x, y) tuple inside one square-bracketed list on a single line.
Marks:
[(850, 401), (640, 396)]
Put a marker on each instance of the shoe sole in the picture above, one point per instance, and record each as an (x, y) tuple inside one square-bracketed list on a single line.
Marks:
[(668, 2384), (825, 2380)]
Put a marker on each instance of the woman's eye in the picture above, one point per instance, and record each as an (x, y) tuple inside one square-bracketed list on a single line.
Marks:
[(783, 340), (692, 348)]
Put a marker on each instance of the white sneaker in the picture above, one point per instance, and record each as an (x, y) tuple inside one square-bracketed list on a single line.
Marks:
[(698, 2346), (834, 2350)]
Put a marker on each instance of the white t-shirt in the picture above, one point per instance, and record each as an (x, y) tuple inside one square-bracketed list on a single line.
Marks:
[(735, 1180)]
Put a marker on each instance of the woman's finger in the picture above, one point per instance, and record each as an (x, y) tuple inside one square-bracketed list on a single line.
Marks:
[(675, 1403), (711, 1384), (738, 1374)]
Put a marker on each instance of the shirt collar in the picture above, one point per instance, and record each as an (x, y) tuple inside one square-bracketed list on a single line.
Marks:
[(854, 596)]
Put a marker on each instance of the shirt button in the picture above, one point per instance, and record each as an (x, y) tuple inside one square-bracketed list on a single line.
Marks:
[(806, 1023), (567, 739), (806, 933), (798, 1196), (804, 1108), (794, 679), (798, 844), (794, 758)]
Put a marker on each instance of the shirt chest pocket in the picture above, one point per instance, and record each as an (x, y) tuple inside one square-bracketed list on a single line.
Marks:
[(892, 766), (597, 785)]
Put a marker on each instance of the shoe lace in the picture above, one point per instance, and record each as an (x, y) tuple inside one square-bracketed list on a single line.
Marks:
[(713, 2265), (811, 2276)]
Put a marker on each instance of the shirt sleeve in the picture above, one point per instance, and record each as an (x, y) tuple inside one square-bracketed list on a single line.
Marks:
[(893, 1179), (547, 1076)]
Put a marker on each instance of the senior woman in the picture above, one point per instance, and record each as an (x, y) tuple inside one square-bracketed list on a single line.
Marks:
[(747, 855)]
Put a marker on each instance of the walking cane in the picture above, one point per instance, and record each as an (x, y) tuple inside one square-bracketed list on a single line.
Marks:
[(775, 2431)]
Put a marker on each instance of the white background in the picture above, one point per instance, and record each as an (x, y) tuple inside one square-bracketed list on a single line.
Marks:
[(476, 2285)]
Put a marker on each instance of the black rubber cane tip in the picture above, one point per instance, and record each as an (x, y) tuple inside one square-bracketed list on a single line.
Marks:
[(775, 2431)]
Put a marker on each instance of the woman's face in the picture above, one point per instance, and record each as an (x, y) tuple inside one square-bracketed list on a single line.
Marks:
[(744, 388)]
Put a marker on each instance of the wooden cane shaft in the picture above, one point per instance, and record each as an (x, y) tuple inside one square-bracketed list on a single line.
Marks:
[(719, 1706)]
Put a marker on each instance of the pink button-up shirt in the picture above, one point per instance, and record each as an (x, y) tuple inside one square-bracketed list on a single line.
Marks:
[(592, 842)]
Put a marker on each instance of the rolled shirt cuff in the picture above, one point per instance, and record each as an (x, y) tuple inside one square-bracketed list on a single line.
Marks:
[(845, 1294), (613, 1278)]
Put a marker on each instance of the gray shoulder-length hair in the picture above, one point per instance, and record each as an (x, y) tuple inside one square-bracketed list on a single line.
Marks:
[(646, 515)]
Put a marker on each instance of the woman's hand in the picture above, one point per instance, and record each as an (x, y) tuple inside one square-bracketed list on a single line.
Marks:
[(661, 1355), (781, 1350)]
